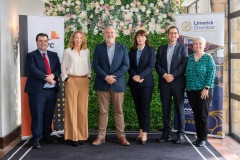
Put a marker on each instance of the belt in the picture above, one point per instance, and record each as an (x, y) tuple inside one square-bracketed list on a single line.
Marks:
[(47, 89), (71, 75)]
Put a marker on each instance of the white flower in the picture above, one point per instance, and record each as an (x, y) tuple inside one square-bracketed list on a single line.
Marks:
[(151, 5), (143, 8), (148, 12), (127, 6), (83, 15), (166, 1), (101, 2)]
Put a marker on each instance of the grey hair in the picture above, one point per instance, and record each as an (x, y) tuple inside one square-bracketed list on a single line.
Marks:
[(201, 39)]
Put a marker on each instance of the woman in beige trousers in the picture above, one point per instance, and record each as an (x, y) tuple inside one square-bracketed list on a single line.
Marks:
[(76, 72)]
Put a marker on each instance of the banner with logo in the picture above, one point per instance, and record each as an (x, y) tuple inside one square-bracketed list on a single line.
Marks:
[(29, 27), (211, 27)]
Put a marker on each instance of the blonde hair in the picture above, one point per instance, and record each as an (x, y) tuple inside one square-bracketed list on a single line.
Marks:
[(201, 39), (84, 40)]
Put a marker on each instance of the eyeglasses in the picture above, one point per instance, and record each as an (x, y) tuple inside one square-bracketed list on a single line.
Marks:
[(173, 33)]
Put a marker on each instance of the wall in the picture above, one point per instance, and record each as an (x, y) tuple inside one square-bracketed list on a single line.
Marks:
[(222, 6), (10, 117)]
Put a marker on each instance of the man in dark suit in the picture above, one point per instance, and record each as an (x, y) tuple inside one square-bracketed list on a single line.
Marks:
[(171, 61), (110, 62), (43, 68)]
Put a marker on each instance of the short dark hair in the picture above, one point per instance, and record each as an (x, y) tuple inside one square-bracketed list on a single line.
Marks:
[(41, 35), (172, 27)]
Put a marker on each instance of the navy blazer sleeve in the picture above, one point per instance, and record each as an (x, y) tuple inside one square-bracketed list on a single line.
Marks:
[(180, 70), (159, 63), (34, 71), (96, 63)]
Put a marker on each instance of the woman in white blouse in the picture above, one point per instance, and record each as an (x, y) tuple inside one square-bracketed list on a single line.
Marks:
[(76, 72)]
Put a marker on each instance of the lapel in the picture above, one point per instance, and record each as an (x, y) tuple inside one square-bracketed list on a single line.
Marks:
[(105, 54), (165, 57), (142, 55), (40, 57), (174, 55), (115, 56), (51, 60)]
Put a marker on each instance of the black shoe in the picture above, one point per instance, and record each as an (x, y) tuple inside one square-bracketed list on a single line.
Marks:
[(80, 142), (165, 137), (196, 141), (201, 144), (49, 140), (180, 139), (143, 142), (75, 143), (138, 139), (36, 145)]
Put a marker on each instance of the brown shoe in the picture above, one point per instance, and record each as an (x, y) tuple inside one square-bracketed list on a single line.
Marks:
[(123, 141), (98, 141)]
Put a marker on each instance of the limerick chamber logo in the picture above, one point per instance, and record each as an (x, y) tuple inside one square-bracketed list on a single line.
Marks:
[(186, 26)]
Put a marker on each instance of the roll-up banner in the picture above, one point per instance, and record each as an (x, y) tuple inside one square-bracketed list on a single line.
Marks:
[(211, 27), (29, 27)]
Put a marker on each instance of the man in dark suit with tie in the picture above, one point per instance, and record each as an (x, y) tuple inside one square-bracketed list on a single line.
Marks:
[(43, 68), (110, 62), (171, 61)]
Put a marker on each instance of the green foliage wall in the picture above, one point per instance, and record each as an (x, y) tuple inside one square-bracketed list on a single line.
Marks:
[(156, 39)]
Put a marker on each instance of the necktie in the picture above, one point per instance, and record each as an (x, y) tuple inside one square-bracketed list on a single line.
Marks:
[(48, 69)]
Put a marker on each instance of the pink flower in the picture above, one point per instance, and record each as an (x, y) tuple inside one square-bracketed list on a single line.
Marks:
[(118, 2), (177, 2), (110, 22), (100, 24), (130, 20)]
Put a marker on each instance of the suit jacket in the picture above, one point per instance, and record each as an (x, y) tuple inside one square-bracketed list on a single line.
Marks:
[(37, 71), (119, 67), (144, 67), (177, 68)]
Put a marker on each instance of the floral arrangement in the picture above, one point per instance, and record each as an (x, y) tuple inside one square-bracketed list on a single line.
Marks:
[(94, 16)]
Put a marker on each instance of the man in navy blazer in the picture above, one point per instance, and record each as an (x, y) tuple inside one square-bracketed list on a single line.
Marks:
[(110, 62), (171, 61), (42, 88)]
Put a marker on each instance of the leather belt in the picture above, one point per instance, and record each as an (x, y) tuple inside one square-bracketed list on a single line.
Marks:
[(71, 75)]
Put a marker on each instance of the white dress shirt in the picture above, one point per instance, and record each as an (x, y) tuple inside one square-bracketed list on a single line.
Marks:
[(75, 64)]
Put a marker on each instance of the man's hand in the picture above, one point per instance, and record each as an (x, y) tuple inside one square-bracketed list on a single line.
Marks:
[(110, 79), (50, 78)]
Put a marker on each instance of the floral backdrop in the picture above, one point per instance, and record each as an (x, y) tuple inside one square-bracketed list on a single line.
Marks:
[(127, 16), (94, 16)]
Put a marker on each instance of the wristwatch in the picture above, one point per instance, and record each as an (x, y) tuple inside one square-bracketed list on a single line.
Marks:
[(206, 88)]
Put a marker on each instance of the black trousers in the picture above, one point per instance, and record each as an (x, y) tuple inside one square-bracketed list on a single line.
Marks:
[(178, 97), (142, 97), (200, 109)]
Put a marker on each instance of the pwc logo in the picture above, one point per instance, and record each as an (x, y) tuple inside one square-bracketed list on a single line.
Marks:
[(54, 35)]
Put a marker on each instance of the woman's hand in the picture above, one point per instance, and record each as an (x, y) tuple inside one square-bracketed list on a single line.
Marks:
[(204, 93)]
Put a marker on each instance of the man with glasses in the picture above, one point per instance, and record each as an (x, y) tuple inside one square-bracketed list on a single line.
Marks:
[(171, 61)]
